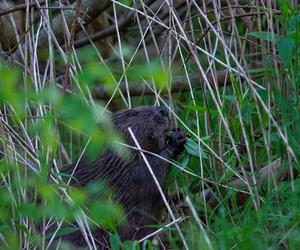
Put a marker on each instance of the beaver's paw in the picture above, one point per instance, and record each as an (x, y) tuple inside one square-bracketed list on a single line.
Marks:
[(176, 140)]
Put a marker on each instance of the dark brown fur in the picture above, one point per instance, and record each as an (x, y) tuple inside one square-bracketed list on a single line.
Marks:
[(135, 188)]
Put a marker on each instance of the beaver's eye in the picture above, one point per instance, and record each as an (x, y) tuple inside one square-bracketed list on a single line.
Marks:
[(132, 113)]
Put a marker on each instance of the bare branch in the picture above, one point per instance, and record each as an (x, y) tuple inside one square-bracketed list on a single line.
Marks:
[(124, 21), (91, 8), (178, 85), (19, 7)]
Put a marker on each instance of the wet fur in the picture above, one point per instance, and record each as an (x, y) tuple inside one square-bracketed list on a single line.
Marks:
[(135, 188)]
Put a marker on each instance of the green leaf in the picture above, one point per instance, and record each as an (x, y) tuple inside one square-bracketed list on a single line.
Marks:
[(175, 172), (246, 111), (153, 70), (130, 245), (202, 109), (107, 213), (29, 210), (286, 50), (67, 176), (265, 35), (237, 88), (192, 148), (114, 241), (77, 114), (62, 231), (285, 8), (95, 72), (228, 174), (230, 98), (22, 228), (47, 132), (293, 23), (10, 91)]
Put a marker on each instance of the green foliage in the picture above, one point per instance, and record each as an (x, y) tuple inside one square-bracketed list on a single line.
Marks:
[(277, 219), (37, 198), (43, 128), (10, 91), (228, 223), (192, 148), (153, 70), (288, 46)]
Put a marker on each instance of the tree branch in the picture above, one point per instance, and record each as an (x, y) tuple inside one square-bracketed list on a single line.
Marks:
[(111, 30), (19, 7), (178, 85), (91, 8)]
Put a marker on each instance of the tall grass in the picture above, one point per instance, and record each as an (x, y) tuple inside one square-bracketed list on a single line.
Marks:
[(228, 74)]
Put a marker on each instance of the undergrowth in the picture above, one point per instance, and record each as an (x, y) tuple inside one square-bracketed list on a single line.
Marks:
[(235, 187)]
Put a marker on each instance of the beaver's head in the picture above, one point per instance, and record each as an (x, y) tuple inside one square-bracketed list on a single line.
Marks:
[(148, 123)]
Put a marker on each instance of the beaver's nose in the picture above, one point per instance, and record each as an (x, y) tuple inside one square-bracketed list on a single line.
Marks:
[(163, 111)]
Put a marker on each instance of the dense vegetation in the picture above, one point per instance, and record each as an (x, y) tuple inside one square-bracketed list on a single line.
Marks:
[(228, 71)]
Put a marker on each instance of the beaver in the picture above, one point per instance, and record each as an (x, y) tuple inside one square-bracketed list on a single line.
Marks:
[(129, 176)]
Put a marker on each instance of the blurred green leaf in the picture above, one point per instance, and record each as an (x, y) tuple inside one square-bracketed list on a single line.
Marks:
[(265, 35), (67, 176), (202, 109), (62, 231), (10, 91), (107, 213), (130, 245), (22, 228), (77, 114), (95, 73), (47, 132), (237, 88), (149, 71), (126, 2), (79, 196), (114, 241), (286, 50), (293, 23), (286, 8), (30, 210)]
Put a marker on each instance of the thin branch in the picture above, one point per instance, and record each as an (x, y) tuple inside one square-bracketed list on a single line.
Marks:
[(111, 30), (225, 19), (91, 8), (71, 41), (20, 7), (178, 85)]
